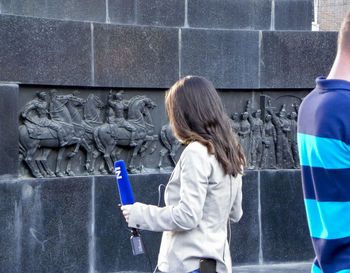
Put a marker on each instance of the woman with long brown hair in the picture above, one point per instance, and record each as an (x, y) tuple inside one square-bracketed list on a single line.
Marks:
[(205, 189)]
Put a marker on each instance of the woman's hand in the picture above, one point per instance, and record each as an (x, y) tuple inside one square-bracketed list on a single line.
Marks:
[(126, 211)]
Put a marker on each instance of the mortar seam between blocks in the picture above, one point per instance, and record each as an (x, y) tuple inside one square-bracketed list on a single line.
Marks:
[(92, 54), (180, 51), (261, 257), (92, 242), (108, 20)]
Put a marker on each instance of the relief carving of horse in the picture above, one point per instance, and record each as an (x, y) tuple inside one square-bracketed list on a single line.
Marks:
[(92, 118), (63, 110), (171, 145), (108, 136)]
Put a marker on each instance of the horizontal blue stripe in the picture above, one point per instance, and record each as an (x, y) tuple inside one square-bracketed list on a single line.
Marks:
[(332, 255), (316, 269), (328, 220), (326, 185), (323, 152)]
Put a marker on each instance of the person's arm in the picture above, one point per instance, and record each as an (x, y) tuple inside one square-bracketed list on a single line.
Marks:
[(275, 119), (236, 210), (28, 108), (186, 215)]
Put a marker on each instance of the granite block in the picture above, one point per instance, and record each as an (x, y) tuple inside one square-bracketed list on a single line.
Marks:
[(135, 56), (11, 227), (230, 14), (57, 225), (113, 249), (293, 14), (80, 10), (8, 129), (122, 11), (41, 51), (161, 13), (227, 58), (285, 234), (293, 59), (245, 234), (50, 222)]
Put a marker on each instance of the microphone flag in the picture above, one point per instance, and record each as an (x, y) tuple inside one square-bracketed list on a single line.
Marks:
[(124, 187)]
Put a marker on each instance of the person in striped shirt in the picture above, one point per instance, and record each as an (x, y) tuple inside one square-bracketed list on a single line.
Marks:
[(324, 150)]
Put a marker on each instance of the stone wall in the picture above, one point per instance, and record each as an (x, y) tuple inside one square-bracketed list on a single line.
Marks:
[(226, 14), (248, 48), (75, 225)]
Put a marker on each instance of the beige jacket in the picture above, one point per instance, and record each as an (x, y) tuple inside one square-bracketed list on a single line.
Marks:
[(199, 200)]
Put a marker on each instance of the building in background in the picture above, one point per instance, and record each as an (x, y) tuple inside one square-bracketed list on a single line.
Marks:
[(329, 14)]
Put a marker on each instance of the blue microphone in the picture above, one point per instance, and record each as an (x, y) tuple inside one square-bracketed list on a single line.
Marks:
[(125, 191), (127, 198)]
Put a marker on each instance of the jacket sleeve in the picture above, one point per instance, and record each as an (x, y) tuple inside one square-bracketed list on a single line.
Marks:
[(236, 210), (186, 215)]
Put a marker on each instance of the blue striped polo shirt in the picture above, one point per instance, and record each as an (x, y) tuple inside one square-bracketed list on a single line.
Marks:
[(324, 150)]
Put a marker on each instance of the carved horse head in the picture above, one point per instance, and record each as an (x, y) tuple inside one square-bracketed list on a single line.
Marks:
[(137, 107), (59, 110)]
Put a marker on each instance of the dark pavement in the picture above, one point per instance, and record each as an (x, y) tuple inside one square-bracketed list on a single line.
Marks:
[(275, 268)]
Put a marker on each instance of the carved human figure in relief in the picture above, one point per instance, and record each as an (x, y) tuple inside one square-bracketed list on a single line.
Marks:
[(244, 134), (36, 112), (293, 138), (284, 155), (117, 107), (256, 134), (269, 140), (235, 122)]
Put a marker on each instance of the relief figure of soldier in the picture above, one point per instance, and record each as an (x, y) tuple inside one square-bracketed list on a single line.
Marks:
[(117, 107), (36, 114), (256, 133), (282, 124), (244, 135), (269, 141), (293, 138)]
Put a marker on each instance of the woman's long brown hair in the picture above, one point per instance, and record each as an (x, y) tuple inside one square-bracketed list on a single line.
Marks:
[(196, 113)]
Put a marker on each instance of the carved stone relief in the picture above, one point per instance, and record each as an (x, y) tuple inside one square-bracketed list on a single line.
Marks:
[(54, 122), (55, 128), (268, 135), (171, 145)]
